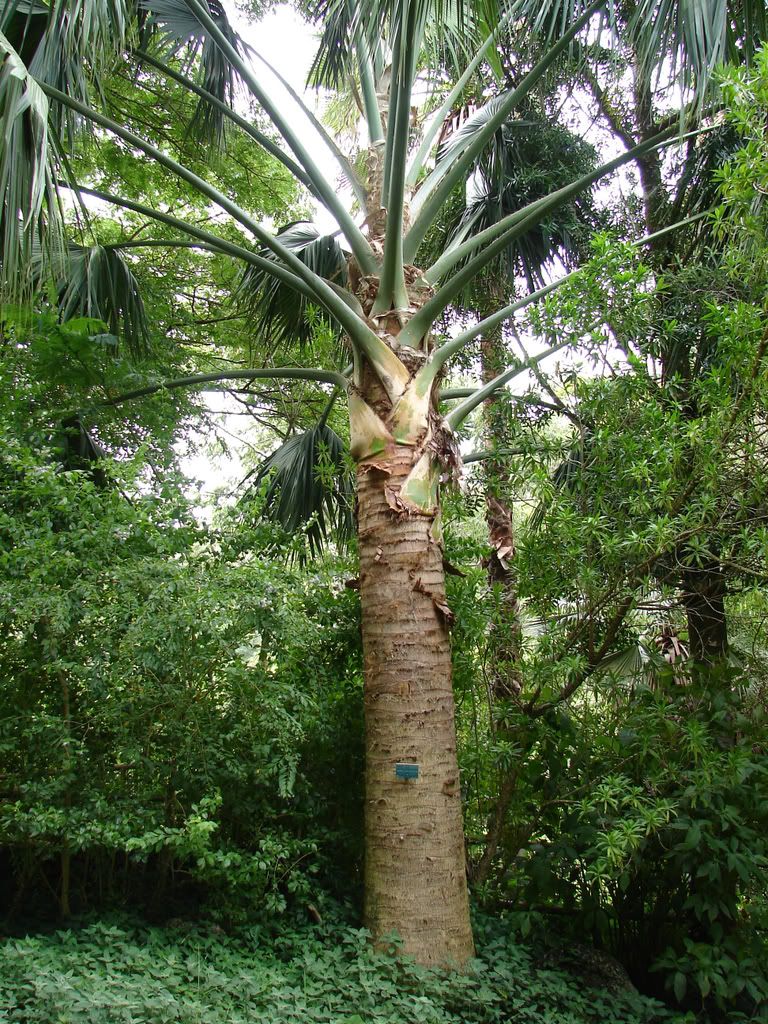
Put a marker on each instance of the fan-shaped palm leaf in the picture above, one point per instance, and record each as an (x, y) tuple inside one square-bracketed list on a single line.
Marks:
[(309, 486), (564, 479), (626, 665), (178, 34), (698, 188), (367, 23), (65, 45), (278, 313), (694, 35), (527, 159), (686, 38), (77, 450), (454, 141), (98, 283), (23, 24), (332, 63), (29, 213)]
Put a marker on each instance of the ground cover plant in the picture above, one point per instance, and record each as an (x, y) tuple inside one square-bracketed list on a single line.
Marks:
[(118, 971)]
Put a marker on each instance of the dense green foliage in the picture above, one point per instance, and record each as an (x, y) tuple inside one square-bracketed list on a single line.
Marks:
[(173, 694), (116, 971), (633, 777), (160, 686)]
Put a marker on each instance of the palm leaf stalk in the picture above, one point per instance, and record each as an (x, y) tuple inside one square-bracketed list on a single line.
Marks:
[(392, 292), (370, 99), (354, 236), (437, 119), (344, 163), (231, 115), (384, 306)]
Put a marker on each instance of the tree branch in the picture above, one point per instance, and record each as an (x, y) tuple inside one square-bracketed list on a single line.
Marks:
[(607, 109)]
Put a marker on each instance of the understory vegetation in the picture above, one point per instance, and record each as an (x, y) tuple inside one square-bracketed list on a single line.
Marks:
[(116, 970), (496, 554)]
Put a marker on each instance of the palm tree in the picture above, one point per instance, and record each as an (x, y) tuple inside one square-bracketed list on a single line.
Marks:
[(54, 57)]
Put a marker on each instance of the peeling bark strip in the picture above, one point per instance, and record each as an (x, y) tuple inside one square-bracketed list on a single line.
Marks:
[(415, 876)]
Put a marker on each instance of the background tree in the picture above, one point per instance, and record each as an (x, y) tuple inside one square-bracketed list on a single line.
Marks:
[(619, 484), (629, 76)]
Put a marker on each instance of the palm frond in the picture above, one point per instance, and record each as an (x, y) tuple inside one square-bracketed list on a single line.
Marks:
[(309, 486), (551, 18), (23, 23), (625, 665), (459, 132), (30, 219), (565, 479), (644, 661), (66, 45), (333, 61), (691, 34), (78, 451), (368, 23), (178, 35), (278, 312), (686, 39), (698, 187), (451, 43), (527, 159), (96, 282)]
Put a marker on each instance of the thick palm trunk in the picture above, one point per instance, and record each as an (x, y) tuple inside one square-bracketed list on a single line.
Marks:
[(415, 873), (415, 878)]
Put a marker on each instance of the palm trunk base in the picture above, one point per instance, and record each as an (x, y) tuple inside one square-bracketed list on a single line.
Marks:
[(415, 873)]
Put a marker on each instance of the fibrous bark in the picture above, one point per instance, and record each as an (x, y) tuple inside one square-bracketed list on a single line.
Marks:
[(415, 871), (506, 634), (415, 878)]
